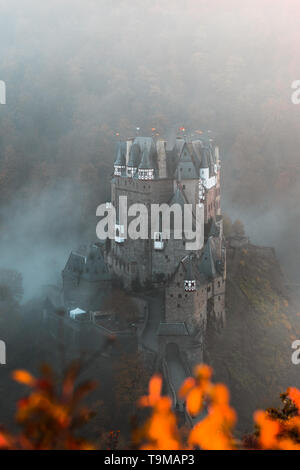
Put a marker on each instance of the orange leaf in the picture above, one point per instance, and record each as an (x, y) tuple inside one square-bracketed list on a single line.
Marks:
[(294, 395), (194, 401), (155, 386), (268, 429), (203, 372), (187, 385), (23, 377), (3, 441)]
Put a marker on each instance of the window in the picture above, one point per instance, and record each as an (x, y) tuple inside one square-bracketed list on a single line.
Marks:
[(189, 286)]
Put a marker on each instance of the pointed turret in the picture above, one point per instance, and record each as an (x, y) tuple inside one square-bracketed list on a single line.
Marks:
[(178, 197), (146, 169), (207, 263), (120, 162)]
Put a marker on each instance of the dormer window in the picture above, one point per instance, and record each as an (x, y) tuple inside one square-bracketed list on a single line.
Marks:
[(146, 174), (158, 241), (119, 234), (190, 286)]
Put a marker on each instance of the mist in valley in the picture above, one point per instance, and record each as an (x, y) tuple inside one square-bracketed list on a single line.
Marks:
[(79, 72)]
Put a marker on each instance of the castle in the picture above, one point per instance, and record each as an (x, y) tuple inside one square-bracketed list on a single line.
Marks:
[(190, 284)]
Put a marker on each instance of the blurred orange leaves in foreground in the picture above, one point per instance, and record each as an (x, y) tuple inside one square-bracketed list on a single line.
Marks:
[(50, 416)]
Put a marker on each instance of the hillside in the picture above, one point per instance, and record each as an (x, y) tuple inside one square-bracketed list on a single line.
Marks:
[(252, 355)]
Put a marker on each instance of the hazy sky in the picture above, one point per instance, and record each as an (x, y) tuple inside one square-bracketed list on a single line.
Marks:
[(79, 71)]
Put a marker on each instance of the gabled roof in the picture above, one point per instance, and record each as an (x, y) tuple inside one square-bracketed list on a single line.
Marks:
[(187, 166)]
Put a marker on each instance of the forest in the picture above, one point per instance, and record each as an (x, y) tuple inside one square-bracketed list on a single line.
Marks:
[(80, 76)]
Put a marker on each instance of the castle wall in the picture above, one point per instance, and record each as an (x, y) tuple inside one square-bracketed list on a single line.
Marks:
[(140, 191), (166, 261), (150, 263), (210, 210)]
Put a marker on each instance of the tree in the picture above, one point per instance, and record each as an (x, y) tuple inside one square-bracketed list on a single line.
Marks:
[(238, 228), (131, 380), (227, 225)]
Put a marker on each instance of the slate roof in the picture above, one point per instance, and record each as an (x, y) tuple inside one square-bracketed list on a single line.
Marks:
[(207, 262), (120, 154), (183, 160), (178, 197), (95, 268), (134, 156), (90, 266), (75, 263), (187, 167), (146, 161)]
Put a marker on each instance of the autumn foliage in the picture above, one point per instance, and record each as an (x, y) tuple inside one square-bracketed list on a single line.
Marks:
[(50, 416)]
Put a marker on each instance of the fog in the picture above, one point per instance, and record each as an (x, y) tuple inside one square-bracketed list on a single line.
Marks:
[(78, 72)]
